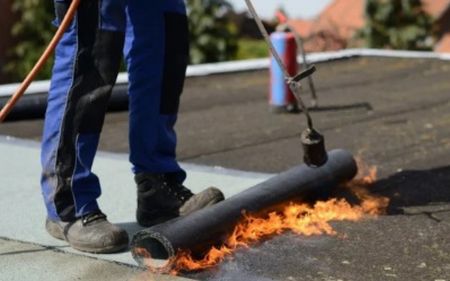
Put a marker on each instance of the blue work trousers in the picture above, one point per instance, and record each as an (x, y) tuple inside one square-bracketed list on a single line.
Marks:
[(153, 37)]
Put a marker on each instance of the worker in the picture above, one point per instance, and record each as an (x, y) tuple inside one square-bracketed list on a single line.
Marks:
[(153, 36)]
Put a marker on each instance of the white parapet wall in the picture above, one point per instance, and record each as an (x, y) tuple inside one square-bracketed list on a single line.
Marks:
[(254, 64)]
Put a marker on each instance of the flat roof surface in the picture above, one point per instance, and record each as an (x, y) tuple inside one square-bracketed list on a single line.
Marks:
[(371, 106), (22, 212), (392, 113)]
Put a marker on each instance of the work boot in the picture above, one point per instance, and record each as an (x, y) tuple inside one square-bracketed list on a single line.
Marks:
[(91, 233), (161, 198)]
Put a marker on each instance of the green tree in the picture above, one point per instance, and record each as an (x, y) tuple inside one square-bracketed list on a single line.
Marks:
[(33, 31), (397, 24), (213, 36)]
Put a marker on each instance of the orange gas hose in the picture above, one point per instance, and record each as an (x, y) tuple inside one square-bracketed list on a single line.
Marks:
[(42, 60)]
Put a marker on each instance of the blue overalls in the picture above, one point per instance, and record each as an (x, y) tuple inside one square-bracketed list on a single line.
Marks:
[(153, 36)]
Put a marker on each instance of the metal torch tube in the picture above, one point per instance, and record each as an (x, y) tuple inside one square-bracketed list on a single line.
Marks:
[(207, 227)]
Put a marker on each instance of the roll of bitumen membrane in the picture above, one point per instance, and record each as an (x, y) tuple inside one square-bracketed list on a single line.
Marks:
[(207, 227)]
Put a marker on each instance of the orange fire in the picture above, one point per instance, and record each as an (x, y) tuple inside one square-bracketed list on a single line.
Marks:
[(302, 219)]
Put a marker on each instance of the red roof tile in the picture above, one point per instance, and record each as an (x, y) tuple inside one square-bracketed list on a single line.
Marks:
[(443, 46), (343, 17), (337, 24), (436, 8), (303, 27)]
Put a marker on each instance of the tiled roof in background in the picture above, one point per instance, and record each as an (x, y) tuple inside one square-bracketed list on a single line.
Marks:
[(303, 27), (436, 8), (337, 24), (343, 17), (443, 46)]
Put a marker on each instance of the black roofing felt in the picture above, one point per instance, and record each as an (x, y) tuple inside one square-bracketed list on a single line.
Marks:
[(385, 108), (393, 113)]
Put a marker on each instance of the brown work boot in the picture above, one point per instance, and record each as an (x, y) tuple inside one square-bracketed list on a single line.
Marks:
[(92, 233), (207, 197), (161, 198)]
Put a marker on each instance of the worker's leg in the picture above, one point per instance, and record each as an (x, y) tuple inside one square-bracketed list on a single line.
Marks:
[(86, 66), (156, 51)]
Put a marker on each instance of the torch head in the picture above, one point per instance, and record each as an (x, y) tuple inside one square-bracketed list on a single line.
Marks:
[(314, 152)]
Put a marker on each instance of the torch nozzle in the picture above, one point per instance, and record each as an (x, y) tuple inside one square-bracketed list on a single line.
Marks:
[(314, 152)]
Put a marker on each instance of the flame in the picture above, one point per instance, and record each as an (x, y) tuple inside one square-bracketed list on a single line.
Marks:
[(371, 204), (299, 218)]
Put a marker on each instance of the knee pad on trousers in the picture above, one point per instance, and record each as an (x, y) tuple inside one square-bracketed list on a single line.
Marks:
[(175, 61)]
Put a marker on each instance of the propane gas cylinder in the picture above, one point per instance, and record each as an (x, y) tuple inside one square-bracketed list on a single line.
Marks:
[(281, 98)]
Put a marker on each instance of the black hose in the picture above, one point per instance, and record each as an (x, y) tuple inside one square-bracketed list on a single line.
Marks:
[(33, 106)]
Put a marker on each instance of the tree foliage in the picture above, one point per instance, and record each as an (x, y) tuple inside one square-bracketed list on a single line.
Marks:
[(213, 37), (397, 24), (32, 31)]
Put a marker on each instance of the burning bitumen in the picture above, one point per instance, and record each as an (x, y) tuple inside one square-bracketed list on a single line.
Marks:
[(300, 218)]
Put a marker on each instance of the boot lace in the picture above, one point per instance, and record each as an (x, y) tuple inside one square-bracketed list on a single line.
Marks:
[(89, 218), (173, 187)]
